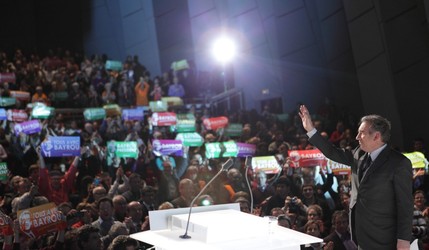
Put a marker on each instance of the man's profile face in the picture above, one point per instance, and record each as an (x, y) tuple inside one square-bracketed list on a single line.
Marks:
[(367, 138)]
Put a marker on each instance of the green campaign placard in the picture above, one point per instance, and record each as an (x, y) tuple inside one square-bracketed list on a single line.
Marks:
[(231, 149), (7, 101), (158, 106), (234, 129), (190, 139), (60, 96), (126, 149), (92, 114), (185, 123), (3, 171), (42, 112), (113, 65), (213, 150)]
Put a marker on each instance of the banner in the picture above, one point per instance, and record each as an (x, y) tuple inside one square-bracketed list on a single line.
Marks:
[(7, 101), (167, 147), (158, 106), (5, 225), (213, 150), (185, 123), (179, 65), (113, 65), (7, 77), (60, 96), (92, 114), (20, 95), (112, 109), (215, 123), (245, 149), (234, 129), (231, 149), (267, 164), (3, 114), (42, 112), (17, 115), (40, 220), (190, 139), (338, 168), (172, 101), (126, 149), (307, 158), (61, 146), (132, 115), (28, 128), (3, 171), (163, 119), (418, 159)]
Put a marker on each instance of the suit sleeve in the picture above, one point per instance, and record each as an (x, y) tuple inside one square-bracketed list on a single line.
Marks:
[(404, 198), (330, 151)]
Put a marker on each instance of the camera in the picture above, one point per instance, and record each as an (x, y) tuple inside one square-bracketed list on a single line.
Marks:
[(293, 206), (294, 200)]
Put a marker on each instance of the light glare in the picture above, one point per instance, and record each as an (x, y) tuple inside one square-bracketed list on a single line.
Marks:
[(224, 50)]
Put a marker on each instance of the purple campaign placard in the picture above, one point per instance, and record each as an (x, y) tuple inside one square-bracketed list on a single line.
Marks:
[(167, 147), (245, 149), (60, 146), (132, 114), (28, 128)]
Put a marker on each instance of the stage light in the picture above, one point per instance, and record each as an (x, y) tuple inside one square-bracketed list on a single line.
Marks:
[(224, 50)]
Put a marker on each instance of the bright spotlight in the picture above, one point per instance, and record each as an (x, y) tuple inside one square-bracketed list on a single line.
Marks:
[(224, 49)]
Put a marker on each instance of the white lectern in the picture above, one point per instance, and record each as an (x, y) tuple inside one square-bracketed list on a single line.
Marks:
[(219, 227)]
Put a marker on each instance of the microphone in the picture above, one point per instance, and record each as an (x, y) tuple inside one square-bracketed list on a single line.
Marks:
[(225, 167)]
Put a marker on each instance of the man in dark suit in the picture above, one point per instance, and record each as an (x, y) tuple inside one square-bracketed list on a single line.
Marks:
[(340, 237), (381, 198)]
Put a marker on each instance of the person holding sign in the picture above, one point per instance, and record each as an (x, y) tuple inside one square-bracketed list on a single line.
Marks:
[(381, 198)]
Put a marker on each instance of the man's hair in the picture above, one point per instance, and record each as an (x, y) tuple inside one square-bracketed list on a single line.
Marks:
[(378, 124), (121, 242), (104, 199), (83, 234), (339, 214)]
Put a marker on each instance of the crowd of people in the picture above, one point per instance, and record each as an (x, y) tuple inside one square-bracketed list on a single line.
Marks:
[(104, 199)]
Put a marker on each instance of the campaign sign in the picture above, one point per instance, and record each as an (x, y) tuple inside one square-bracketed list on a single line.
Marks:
[(158, 106), (338, 168), (7, 101), (126, 149), (60, 96), (132, 115), (267, 164), (42, 112), (17, 115), (190, 139), (164, 119), (307, 158), (20, 95), (3, 114), (185, 123), (28, 128), (40, 220), (61, 146), (92, 114), (418, 159), (172, 101), (215, 123), (3, 171), (5, 225), (113, 65), (213, 150), (245, 149), (231, 149), (234, 129), (7, 77), (167, 147)]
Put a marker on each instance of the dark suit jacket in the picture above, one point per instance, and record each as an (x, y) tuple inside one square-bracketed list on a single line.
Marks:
[(338, 243), (382, 203)]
